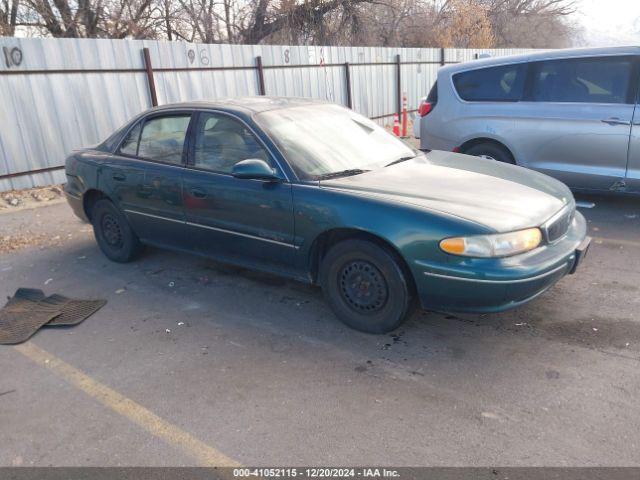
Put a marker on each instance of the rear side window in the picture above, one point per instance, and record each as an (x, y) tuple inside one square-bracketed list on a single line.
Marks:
[(582, 80), (494, 84), (433, 94), (162, 138)]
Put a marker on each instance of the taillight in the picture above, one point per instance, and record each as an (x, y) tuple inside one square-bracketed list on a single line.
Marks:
[(424, 108)]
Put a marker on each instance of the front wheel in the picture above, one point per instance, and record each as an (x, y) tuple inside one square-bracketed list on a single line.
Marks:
[(365, 286), (113, 233)]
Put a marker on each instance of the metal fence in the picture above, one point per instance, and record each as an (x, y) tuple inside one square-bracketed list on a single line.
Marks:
[(60, 94)]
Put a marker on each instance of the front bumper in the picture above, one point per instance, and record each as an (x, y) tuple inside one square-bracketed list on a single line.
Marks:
[(493, 285)]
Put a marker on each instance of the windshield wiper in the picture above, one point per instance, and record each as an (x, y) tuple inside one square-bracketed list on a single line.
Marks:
[(401, 159), (341, 173)]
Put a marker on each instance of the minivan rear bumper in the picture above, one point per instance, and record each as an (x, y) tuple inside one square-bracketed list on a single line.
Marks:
[(493, 285)]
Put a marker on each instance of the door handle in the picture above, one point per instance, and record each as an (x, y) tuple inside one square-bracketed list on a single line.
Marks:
[(119, 177), (615, 121), (198, 192)]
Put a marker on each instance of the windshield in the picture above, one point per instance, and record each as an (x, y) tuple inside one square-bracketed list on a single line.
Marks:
[(322, 140)]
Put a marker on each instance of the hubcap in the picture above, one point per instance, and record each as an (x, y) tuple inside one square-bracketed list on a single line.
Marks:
[(362, 286), (486, 157), (111, 231)]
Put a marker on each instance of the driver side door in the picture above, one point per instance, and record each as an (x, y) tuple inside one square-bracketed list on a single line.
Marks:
[(244, 221)]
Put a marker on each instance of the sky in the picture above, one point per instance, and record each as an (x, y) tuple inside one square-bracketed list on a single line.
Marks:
[(607, 22)]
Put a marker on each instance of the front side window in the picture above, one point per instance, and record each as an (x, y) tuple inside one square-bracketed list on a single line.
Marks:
[(321, 140), (582, 80), (222, 141), (162, 139), (494, 84)]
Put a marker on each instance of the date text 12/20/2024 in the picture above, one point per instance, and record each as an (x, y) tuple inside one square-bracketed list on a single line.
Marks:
[(315, 473)]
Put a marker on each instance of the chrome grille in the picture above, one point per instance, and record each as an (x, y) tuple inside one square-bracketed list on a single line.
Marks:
[(558, 225)]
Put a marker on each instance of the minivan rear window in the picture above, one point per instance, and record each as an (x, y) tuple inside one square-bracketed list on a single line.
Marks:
[(582, 80), (494, 84)]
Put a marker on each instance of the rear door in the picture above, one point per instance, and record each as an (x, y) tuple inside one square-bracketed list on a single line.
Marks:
[(576, 120), (157, 147), (121, 177), (240, 220)]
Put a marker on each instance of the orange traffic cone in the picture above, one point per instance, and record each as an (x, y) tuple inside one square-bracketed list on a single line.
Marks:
[(396, 125)]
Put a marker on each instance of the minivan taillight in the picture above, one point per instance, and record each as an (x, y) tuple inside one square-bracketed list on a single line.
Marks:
[(424, 108)]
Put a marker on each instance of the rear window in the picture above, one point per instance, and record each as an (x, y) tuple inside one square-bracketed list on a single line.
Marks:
[(494, 84), (582, 80)]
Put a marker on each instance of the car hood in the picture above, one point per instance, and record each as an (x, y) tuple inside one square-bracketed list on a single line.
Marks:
[(499, 196)]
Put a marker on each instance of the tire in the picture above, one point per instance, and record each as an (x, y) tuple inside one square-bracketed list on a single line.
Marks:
[(382, 299), (491, 151), (113, 233)]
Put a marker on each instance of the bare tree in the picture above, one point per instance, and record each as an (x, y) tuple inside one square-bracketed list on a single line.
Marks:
[(309, 18), (464, 24), (531, 23), (386, 23), (411, 23), (93, 18), (268, 21), (9, 17)]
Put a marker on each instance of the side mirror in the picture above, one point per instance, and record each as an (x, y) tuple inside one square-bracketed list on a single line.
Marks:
[(256, 169)]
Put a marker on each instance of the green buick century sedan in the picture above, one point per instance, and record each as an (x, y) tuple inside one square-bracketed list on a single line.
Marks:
[(318, 193)]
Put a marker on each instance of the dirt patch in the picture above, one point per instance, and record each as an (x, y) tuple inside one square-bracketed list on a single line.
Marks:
[(29, 198), (39, 227), (33, 238), (9, 243)]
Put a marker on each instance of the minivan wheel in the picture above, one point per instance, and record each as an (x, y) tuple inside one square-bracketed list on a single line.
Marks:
[(113, 233), (365, 286), (491, 151)]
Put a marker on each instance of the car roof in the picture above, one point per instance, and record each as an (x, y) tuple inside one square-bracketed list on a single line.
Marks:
[(246, 104), (542, 55)]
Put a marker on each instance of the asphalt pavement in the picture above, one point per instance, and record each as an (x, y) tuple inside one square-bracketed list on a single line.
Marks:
[(196, 363)]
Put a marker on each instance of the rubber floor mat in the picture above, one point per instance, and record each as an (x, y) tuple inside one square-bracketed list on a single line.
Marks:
[(29, 309), (25, 298), (17, 325), (72, 311)]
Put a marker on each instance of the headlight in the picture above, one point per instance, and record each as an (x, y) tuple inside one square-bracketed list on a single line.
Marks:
[(498, 245)]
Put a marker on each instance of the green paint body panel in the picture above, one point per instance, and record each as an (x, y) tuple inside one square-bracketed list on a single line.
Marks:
[(410, 207)]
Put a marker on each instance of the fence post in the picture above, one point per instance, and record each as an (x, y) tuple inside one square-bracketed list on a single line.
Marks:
[(347, 77), (261, 89), (442, 57), (152, 84), (399, 85)]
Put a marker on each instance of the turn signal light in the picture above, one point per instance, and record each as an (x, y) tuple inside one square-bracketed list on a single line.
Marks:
[(498, 245)]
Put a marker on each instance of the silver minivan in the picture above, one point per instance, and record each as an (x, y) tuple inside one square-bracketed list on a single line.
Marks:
[(572, 114)]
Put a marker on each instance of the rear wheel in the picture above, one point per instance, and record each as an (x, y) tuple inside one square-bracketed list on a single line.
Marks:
[(113, 233), (491, 151), (365, 286)]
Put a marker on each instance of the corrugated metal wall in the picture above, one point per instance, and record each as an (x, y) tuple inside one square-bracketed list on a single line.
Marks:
[(45, 115)]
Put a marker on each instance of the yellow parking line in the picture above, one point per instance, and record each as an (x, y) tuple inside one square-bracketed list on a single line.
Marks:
[(171, 434), (616, 241)]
